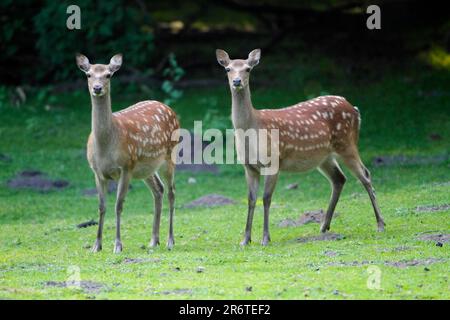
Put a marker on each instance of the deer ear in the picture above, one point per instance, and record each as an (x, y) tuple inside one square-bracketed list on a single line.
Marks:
[(115, 63), (254, 57), (222, 58), (83, 62)]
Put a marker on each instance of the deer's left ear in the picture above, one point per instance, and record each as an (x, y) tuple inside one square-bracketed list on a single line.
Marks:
[(222, 57), (83, 62), (115, 63), (254, 57)]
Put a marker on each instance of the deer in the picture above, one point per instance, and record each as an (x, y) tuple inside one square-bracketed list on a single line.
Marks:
[(133, 143), (313, 134)]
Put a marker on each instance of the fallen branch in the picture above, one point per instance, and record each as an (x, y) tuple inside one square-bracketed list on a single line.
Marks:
[(87, 224)]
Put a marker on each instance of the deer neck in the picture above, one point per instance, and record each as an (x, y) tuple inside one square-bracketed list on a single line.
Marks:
[(242, 111), (102, 124)]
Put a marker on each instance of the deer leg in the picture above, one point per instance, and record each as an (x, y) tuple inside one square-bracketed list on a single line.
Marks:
[(122, 189), (355, 165), (331, 170), (157, 188), (252, 177), (101, 191), (169, 177), (269, 186)]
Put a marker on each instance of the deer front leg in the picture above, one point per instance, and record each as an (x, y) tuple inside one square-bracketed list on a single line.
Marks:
[(122, 189), (252, 177), (269, 186), (101, 191)]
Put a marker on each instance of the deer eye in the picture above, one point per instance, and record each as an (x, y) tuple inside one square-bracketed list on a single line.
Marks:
[(108, 75), (227, 69), (88, 75), (248, 69)]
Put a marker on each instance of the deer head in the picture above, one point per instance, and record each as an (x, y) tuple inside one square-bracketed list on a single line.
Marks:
[(99, 75), (238, 70)]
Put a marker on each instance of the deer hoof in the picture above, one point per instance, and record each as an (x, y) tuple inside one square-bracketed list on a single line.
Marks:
[(154, 243), (324, 228), (265, 241), (170, 244), (96, 247), (245, 242), (381, 225), (118, 247)]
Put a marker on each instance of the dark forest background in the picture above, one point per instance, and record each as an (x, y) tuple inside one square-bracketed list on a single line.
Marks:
[(37, 49)]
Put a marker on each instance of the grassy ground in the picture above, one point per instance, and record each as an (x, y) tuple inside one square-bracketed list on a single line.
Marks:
[(39, 242)]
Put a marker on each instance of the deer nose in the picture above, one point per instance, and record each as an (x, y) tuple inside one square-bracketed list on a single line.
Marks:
[(97, 88), (236, 82)]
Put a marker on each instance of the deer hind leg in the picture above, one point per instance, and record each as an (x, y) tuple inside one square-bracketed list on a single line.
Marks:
[(331, 170), (252, 177), (354, 163), (156, 186), (122, 189), (270, 182), (169, 175), (101, 191)]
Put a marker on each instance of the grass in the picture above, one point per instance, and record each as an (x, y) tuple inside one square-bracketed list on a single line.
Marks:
[(40, 243)]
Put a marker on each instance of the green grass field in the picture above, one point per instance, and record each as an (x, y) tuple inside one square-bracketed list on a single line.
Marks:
[(40, 246)]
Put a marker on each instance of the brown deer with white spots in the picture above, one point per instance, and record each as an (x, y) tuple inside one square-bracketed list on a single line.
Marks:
[(312, 134), (133, 143)]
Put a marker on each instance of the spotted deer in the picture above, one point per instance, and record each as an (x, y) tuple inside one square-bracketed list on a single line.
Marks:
[(312, 134), (133, 143)]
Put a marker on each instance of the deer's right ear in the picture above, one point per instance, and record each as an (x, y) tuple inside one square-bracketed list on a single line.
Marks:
[(222, 58), (83, 62), (254, 57), (115, 63)]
